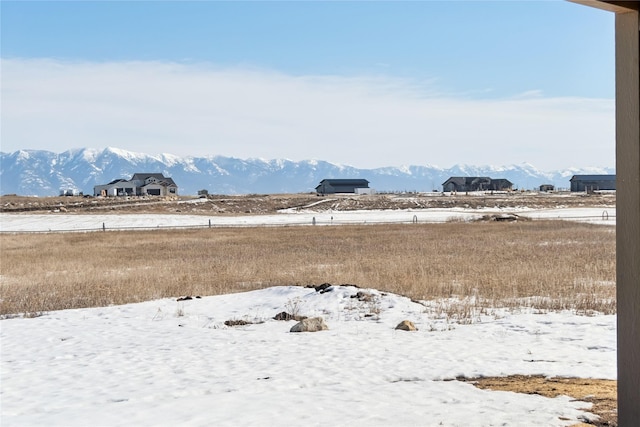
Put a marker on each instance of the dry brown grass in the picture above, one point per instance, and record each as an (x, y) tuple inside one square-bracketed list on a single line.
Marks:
[(547, 265), (271, 203), (600, 392)]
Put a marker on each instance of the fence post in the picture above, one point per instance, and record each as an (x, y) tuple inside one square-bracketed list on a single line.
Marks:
[(209, 223), (103, 227), (313, 221)]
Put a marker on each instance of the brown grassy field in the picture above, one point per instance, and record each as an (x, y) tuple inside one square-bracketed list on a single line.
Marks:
[(271, 203), (548, 265)]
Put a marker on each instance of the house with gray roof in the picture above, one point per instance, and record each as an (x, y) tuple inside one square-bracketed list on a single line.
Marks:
[(141, 184), (590, 183), (476, 183), (332, 186)]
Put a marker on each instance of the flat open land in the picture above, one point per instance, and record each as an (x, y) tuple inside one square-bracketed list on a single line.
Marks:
[(470, 274), (270, 204)]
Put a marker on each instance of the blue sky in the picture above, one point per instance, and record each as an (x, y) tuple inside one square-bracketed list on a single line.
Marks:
[(362, 83)]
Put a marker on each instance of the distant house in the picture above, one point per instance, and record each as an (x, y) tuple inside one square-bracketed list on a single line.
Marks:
[(500, 184), (591, 183), (476, 183), (141, 184), (332, 186), (70, 192), (547, 187)]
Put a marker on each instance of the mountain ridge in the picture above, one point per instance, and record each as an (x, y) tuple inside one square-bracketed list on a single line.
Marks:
[(46, 173)]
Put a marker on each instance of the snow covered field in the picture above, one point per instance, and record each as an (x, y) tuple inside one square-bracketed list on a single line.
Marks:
[(168, 363), (74, 222)]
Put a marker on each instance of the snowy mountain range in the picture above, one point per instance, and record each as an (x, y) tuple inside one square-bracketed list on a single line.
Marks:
[(45, 173)]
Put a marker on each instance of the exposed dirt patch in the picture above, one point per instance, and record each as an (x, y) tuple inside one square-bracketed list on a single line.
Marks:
[(271, 203), (601, 393)]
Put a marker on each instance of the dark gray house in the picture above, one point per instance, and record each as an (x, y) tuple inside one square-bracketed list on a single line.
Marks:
[(476, 183), (332, 186), (591, 183), (141, 184)]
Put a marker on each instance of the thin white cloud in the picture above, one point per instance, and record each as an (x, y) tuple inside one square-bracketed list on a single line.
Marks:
[(200, 109)]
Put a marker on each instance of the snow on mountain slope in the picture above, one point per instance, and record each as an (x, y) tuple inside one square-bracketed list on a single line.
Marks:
[(44, 173)]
